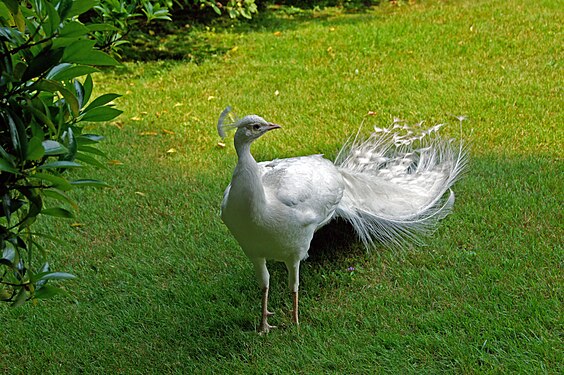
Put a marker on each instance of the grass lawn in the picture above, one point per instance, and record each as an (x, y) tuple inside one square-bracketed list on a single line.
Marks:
[(163, 287)]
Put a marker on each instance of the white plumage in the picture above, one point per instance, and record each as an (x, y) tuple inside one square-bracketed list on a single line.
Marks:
[(390, 187)]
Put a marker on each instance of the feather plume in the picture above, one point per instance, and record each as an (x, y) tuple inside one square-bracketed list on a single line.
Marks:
[(221, 125), (398, 182)]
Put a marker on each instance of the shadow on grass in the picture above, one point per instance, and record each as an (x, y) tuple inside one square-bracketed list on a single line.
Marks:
[(182, 40), (174, 42), (335, 243), (289, 18)]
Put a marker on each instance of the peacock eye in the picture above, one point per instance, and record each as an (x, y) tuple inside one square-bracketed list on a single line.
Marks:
[(256, 127)]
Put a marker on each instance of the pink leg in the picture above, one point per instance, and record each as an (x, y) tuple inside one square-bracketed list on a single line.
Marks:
[(264, 326), (295, 312)]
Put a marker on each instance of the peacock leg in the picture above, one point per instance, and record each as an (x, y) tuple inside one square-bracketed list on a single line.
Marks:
[(295, 312), (264, 326), (264, 280), (294, 281)]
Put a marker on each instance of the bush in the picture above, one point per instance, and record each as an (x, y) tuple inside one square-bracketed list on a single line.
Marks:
[(233, 8), (206, 10), (43, 107), (115, 19)]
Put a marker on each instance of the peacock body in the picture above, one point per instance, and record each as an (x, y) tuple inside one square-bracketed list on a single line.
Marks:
[(392, 187)]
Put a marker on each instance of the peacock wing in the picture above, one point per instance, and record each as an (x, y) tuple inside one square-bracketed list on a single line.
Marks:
[(308, 184)]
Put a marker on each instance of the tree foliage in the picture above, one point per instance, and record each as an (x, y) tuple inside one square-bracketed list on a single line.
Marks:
[(46, 62), (117, 18), (120, 17)]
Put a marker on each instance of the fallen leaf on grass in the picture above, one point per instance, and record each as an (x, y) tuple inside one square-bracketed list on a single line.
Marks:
[(148, 133), (169, 132), (114, 162), (140, 193), (171, 151)]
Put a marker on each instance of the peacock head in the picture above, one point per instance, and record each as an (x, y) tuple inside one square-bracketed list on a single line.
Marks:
[(252, 127), (248, 128)]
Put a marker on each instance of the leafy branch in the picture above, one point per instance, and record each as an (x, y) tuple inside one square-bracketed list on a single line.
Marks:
[(46, 60)]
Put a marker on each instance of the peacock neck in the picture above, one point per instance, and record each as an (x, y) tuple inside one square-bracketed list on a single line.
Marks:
[(246, 182)]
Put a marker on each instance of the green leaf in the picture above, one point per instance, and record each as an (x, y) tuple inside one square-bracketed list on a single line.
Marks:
[(45, 268), (52, 276), (101, 114), (97, 58), (56, 181), (49, 237), (87, 139), (42, 62), (54, 148), (48, 291), (73, 29), (58, 212), (8, 254), (60, 164), (35, 201), (12, 35), (40, 116), (54, 86), (20, 298), (16, 12), (35, 150), (83, 52), (12, 5), (90, 160), (79, 89), (92, 150), (9, 206), (19, 70), (8, 157), (101, 100), (7, 167), (53, 19), (5, 13), (87, 86), (65, 71), (60, 196), (17, 133), (64, 7), (70, 143), (88, 182), (77, 48), (80, 6), (215, 8)]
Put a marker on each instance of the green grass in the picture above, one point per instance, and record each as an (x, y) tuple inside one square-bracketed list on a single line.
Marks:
[(164, 288)]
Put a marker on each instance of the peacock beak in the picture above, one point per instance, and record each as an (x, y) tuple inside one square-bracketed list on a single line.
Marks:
[(272, 126)]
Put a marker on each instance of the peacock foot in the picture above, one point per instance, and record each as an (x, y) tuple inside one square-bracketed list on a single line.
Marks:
[(264, 327)]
